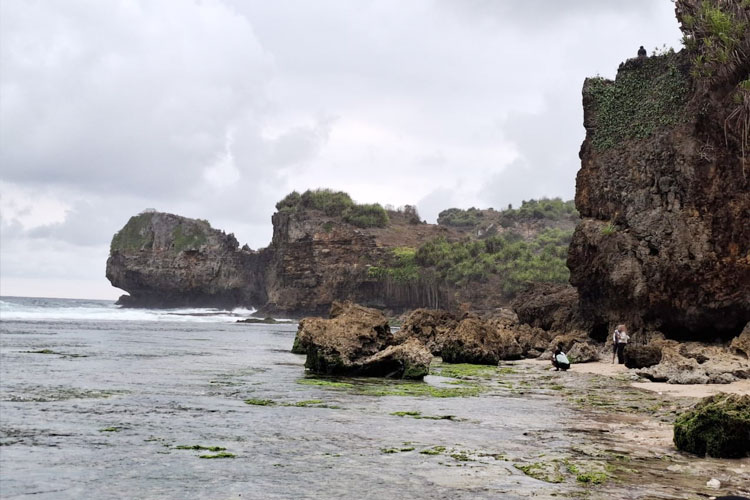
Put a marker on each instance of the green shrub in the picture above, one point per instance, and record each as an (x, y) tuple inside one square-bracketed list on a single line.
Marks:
[(544, 208), (716, 34), (335, 204), (609, 229), (516, 261), (458, 217), (366, 215)]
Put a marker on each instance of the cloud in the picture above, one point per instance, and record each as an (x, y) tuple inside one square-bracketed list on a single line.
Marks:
[(122, 96), (217, 108)]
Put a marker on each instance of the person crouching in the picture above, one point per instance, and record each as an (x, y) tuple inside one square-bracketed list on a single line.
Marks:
[(560, 360)]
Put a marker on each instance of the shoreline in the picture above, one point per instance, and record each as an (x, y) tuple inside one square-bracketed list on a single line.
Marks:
[(741, 387)]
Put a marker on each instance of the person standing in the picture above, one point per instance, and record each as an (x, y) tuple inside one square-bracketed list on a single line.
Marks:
[(615, 341), (622, 341)]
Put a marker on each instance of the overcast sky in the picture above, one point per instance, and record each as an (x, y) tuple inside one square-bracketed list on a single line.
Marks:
[(217, 108)]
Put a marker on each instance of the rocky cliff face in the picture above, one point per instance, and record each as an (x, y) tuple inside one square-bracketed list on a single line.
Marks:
[(315, 260), (664, 193), (165, 260)]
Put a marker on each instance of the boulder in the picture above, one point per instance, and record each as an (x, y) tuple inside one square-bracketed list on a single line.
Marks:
[(480, 342), (583, 352), (430, 326), (357, 340), (642, 356), (718, 426), (351, 333), (408, 360), (741, 344)]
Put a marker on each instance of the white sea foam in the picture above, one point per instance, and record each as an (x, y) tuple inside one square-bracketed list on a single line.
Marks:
[(42, 309)]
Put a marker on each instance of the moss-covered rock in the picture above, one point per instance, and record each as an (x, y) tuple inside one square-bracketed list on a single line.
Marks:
[(356, 340), (718, 426)]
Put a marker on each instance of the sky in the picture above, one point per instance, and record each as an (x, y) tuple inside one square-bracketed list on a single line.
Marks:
[(216, 109)]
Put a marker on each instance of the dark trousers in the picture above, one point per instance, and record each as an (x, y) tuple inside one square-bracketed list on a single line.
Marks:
[(621, 353)]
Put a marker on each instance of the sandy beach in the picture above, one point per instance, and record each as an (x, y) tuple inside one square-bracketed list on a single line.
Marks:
[(680, 390)]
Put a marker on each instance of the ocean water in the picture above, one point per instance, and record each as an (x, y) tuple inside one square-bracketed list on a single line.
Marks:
[(100, 402)]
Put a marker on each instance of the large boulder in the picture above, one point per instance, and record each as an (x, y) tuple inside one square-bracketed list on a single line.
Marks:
[(480, 342), (357, 340), (430, 326), (583, 352), (408, 360), (718, 426), (642, 356), (741, 344)]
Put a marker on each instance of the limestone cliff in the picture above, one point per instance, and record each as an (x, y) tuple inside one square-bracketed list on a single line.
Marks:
[(165, 260), (325, 247), (664, 186)]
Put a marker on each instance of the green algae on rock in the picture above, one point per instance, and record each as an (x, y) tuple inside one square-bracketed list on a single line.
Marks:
[(199, 447), (221, 454), (718, 426)]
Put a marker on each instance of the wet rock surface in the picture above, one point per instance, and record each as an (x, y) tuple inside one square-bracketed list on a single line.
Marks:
[(718, 426)]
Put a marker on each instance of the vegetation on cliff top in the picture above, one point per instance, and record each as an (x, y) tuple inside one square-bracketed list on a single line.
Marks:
[(648, 93), (544, 208), (517, 262), (138, 234), (135, 234), (716, 34), (335, 203)]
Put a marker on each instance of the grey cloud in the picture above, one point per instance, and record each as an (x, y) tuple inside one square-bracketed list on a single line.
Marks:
[(121, 105)]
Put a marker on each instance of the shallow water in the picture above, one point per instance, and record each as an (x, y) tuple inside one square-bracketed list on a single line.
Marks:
[(99, 409)]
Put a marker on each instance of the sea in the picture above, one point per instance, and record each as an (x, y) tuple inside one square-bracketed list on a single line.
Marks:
[(102, 402)]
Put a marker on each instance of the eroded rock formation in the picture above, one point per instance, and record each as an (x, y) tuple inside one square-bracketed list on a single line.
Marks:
[(664, 193), (357, 340), (165, 260)]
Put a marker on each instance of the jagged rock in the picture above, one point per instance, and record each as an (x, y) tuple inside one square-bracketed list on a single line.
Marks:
[(718, 426), (642, 356), (409, 360), (718, 366), (351, 333), (477, 341), (430, 326), (664, 202), (165, 260), (357, 340), (548, 306), (741, 344), (583, 352)]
